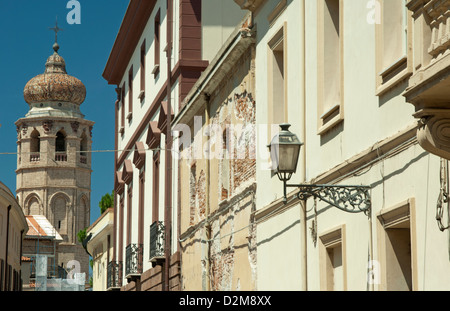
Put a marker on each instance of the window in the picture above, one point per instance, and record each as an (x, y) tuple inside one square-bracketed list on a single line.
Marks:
[(59, 208), (35, 146), (157, 41), (224, 167), (83, 148), (330, 64), (277, 78), (60, 145), (129, 212), (35, 143), (141, 205), (121, 212), (333, 260), (34, 207), (397, 247), (83, 145), (122, 110), (142, 93), (394, 59), (155, 192), (130, 94)]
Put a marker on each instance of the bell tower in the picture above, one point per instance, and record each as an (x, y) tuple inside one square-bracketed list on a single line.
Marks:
[(54, 160)]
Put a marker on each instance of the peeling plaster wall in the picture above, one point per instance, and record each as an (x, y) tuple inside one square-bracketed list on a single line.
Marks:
[(227, 257)]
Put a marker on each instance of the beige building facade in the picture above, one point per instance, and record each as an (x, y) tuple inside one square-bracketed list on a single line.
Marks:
[(99, 245), (350, 70), (218, 170), (13, 228)]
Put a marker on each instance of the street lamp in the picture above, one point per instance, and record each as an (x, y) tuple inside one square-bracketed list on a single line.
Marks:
[(284, 152)]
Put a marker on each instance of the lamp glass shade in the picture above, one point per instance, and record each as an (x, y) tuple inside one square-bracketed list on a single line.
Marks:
[(285, 150)]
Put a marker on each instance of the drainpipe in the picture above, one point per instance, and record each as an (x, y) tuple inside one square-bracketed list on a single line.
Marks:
[(168, 179), (116, 144), (115, 205), (208, 204), (20, 257), (6, 256), (303, 217)]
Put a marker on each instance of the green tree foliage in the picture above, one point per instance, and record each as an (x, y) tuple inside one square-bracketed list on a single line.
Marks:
[(106, 202), (81, 235)]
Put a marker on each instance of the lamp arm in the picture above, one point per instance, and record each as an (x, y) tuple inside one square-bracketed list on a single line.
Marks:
[(352, 199)]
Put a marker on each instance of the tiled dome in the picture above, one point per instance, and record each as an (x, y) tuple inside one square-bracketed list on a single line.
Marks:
[(55, 85)]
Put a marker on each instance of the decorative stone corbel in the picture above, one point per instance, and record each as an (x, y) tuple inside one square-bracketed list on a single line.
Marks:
[(433, 133), (429, 86)]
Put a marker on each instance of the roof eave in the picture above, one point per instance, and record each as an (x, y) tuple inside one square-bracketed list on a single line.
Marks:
[(133, 24)]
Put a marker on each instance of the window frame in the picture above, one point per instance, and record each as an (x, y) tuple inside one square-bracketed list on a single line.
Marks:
[(391, 75), (130, 94), (157, 44), (279, 39), (329, 117), (389, 218), (329, 240), (142, 70)]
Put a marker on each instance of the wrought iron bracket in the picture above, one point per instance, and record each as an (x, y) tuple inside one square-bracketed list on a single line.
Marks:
[(351, 199)]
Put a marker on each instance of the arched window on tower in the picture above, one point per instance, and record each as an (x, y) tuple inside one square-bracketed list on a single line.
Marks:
[(34, 207), (83, 148), (35, 146), (59, 209), (60, 147)]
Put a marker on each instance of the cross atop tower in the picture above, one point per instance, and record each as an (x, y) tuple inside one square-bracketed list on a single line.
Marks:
[(56, 29)]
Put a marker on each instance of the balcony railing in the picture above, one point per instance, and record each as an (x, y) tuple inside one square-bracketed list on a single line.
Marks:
[(35, 156), (133, 262), (157, 237), (61, 157), (114, 276)]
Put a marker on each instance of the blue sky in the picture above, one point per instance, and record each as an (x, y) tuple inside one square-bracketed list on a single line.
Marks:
[(26, 43)]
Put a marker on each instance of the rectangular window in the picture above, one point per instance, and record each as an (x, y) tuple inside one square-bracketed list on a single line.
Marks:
[(130, 94), (142, 93), (155, 192), (121, 214), (122, 110), (129, 213), (333, 276), (393, 55), (330, 64), (141, 206), (397, 248), (277, 77), (157, 30)]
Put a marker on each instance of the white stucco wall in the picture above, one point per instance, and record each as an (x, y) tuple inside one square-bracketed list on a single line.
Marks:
[(368, 119), (219, 19)]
